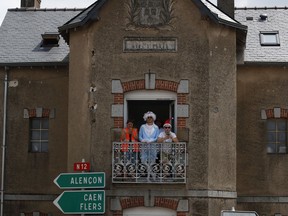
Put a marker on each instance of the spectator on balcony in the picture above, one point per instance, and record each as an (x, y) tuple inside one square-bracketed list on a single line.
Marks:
[(148, 133), (129, 134), (167, 137), (130, 150)]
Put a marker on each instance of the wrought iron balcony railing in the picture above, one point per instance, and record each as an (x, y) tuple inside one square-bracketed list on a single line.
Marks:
[(136, 162)]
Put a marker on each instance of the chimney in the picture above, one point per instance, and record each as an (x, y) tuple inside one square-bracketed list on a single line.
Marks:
[(227, 6), (30, 3)]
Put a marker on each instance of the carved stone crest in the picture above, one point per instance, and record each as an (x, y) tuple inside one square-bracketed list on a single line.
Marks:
[(150, 13)]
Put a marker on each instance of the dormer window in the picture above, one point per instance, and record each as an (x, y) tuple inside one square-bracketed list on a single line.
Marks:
[(269, 38), (50, 39)]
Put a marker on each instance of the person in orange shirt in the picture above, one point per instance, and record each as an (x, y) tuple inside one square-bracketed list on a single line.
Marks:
[(129, 134), (131, 148)]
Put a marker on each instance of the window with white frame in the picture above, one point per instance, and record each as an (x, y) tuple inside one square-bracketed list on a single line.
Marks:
[(39, 128), (269, 38), (276, 136)]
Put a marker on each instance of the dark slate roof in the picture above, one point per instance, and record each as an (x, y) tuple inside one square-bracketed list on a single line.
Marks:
[(20, 36), (276, 21), (206, 7)]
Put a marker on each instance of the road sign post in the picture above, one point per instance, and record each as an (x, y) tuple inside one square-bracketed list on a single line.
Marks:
[(81, 202), (80, 180)]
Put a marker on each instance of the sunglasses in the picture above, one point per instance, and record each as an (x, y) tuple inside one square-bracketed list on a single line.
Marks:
[(167, 127), (149, 117)]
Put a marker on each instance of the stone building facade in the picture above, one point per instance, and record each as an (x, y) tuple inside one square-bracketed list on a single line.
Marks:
[(69, 90)]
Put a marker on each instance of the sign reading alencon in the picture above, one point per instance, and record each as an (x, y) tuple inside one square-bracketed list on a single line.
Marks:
[(150, 45)]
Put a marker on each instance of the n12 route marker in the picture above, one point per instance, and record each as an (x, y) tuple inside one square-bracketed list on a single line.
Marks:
[(80, 180), (81, 202)]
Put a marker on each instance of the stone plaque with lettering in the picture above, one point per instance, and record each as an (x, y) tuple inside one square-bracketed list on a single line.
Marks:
[(150, 45)]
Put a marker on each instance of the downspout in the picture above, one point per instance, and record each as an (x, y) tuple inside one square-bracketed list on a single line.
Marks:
[(4, 137)]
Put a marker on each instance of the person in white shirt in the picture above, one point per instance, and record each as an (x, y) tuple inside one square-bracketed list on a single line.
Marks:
[(167, 137)]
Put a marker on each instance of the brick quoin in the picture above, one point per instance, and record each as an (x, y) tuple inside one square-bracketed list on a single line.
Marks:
[(181, 98), (181, 214), (132, 202), (118, 213), (118, 99), (133, 85), (166, 203), (166, 85), (270, 113), (181, 122), (118, 122), (284, 113)]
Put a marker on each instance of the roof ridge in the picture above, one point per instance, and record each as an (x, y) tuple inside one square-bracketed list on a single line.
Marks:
[(44, 9)]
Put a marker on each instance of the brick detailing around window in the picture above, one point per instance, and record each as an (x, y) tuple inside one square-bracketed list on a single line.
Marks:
[(166, 203), (140, 85), (276, 113), (118, 122), (44, 114), (181, 214), (181, 98), (131, 202), (166, 85), (118, 213), (133, 85), (270, 113), (181, 122), (284, 113), (118, 98)]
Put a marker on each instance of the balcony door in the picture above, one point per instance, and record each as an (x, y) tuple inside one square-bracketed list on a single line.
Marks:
[(162, 103)]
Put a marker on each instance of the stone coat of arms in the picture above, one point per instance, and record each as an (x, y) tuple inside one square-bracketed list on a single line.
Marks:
[(150, 13)]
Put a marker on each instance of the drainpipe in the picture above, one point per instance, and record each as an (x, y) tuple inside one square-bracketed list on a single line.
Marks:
[(4, 137)]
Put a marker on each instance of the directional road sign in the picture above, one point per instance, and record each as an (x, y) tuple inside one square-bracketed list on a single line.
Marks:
[(81, 202), (238, 213), (80, 180)]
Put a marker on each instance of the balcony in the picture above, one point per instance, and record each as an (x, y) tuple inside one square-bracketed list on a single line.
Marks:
[(136, 162)]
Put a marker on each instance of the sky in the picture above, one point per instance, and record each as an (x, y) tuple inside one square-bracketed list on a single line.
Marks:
[(5, 4)]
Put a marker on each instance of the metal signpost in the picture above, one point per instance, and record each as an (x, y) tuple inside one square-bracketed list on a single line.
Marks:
[(81, 202), (80, 180)]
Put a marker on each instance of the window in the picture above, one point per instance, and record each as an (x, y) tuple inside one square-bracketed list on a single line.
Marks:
[(50, 39), (276, 135), (269, 38), (39, 128)]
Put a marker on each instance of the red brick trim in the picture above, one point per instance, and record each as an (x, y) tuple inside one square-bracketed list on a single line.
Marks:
[(284, 113), (270, 113), (181, 214), (133, 85), (130, 202), (166, 85), (118, 98), (118, 213), (181, 122), (181, 98), (166, 203), (118, 122)]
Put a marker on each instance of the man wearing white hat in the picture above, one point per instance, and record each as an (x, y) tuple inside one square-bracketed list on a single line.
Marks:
[(148, 133)]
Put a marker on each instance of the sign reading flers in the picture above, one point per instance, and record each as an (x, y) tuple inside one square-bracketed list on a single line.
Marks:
[(79, 202)]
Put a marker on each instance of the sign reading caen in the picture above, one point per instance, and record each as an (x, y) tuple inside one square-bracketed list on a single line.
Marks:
[(79, 202), (150, 44)]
